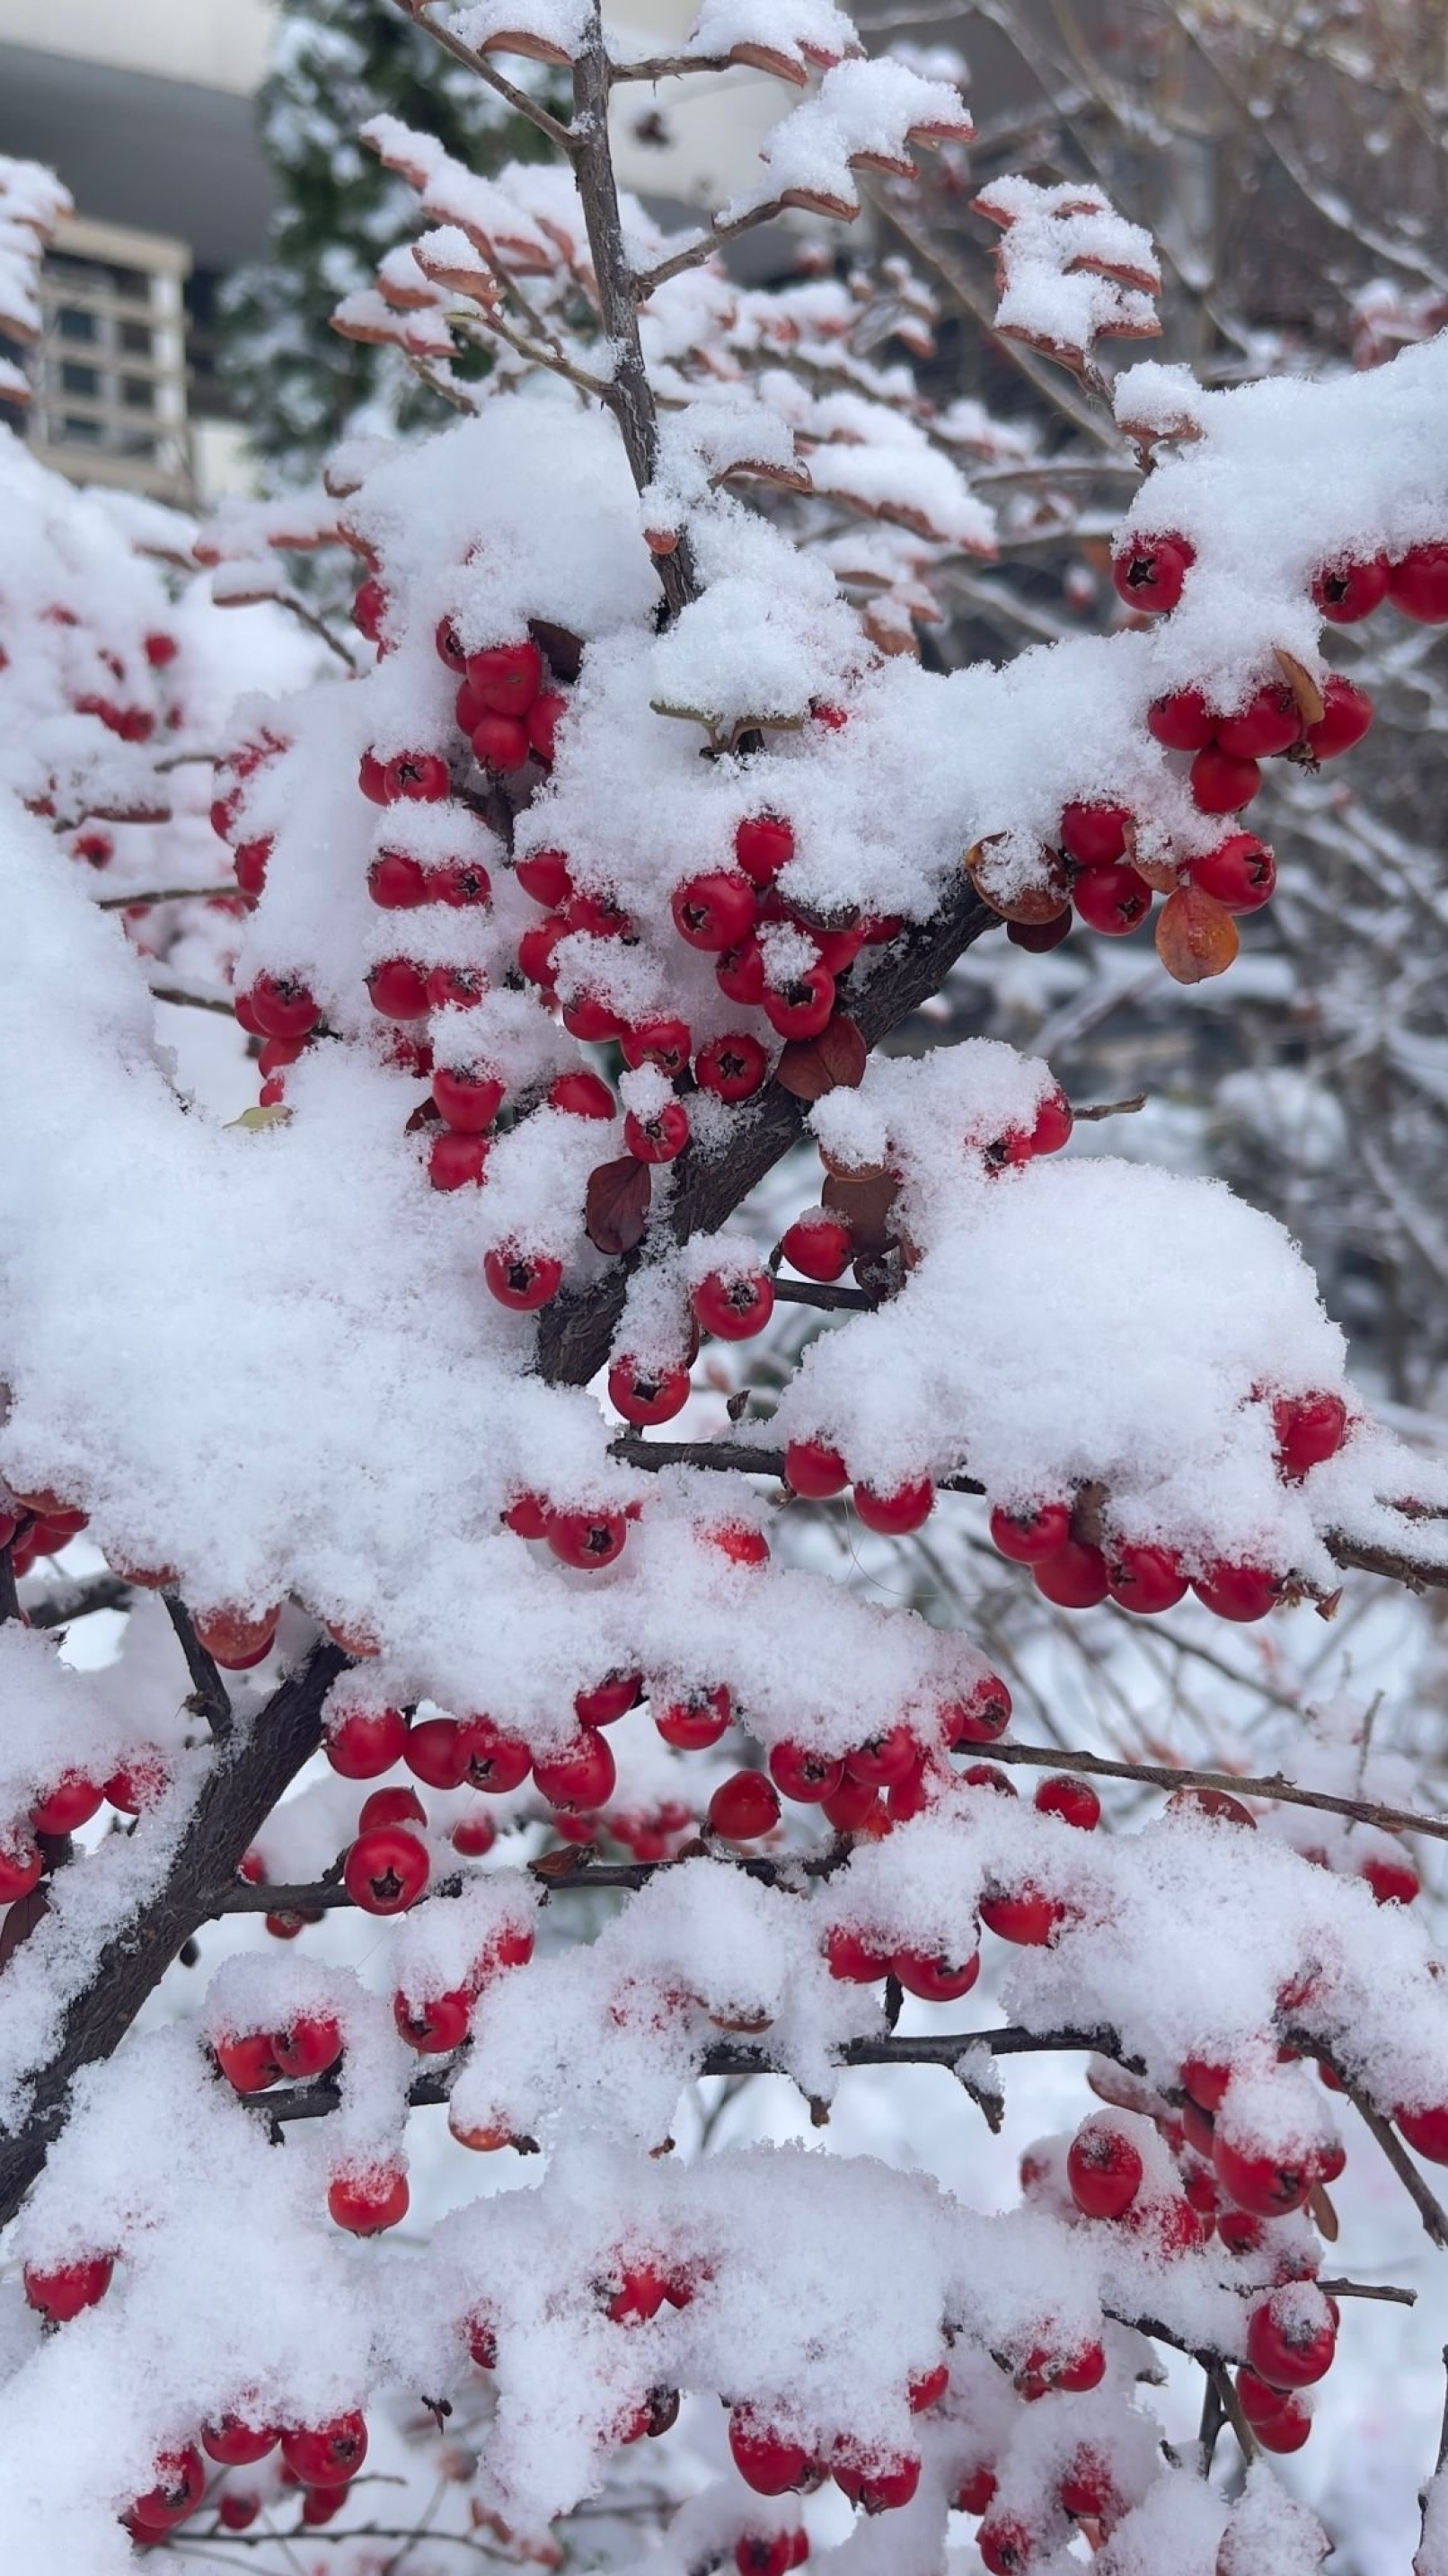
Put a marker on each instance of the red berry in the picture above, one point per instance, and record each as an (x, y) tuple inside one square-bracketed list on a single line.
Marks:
[(978, 1716), (1346, 715), (1243, 1592), (1028, 1536), (386, 1870), (901, 1509), (884, 1759), (807, 1777), (544, 875), (397, 882), (1222, 783), (927, 2387), (448, 646), (1054, 1122), (878, 2486), (1074, 1801), (661, 1138), (248, 2061), (398, 989), (580, 1780), (522, 1280), (468, 1095), (1085, 2488), (740, 973), (758, 2553), (237, 2511), (1346, 591), (535, 948), (766, 2458), (744, 1806), (417, 777), (180, 2485), (60, 2290), (695, 1720), (237, 2445), (1426, 2131), (367, 2203), (818, 1245), (763, 844), (587, 1539), (1112, 900), (1005, 2542), (310, 2044), (664, 1042), (1418, 585), (527, 1516), (647, 1395), (70, 1804), (500, 743), (732, 1067), (1073, 1576), (802, 1008), (1149, 572), (1240, 872), (1104, 2169), (715, 911), (458, 882), (937, 1976), (1025, 1915), (608, 1700), (1255, 2180), (493, 1760), (734, 1306), (854, 1961), (249, 859), (456, 1161), (1309, 1429), (1393, 1882), (326, 2455), (1270, 722), (455, 987), (582, 1095), (1287, 2429), (1144, 1578), (284, 1007), (1183, 721), (814, 1470), (541, 725), (1292, 2337), (975, 2493), (1095, 835), (506, 678), (589, 1017)]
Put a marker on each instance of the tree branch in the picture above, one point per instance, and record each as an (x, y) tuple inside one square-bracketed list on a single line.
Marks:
[(1161, 1775), (694, 254), (1429, 2208), (9, 1597), (212, 1698), (518, 99), (247, 1779), (80, 1601)]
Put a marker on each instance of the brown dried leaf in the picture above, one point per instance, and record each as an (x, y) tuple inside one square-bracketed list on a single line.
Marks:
[(1196, 936), (616, 1209), (1302, 684), (835, 1060), (990, 873), (865, 1206), (561, 649)]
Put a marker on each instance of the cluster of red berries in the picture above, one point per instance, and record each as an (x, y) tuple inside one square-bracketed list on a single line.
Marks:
[(129, 702), (772, 2460), (319, 2460), (1077, 1573)]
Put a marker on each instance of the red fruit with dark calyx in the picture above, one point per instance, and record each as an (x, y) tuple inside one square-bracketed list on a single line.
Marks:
[(1144, 1578), (659, 1139), (397, 882), (237, 2511), (69, 1805), (1074, 1801), (417, 777), (768, 2459), (1182, 721), (1346, 591), (521, 1280), (1269, 723), (715, 911), (506, 678), (806, 1777), (1222, 783), (819, 1246), (608, 1700), (1095, 835), (936, 1976), (1025, 1915), (763, 844), (433, 2025), (1309, 1429), (899, 1509), (582, 1779), (455, 987), (1085, 2489), (976, 1716), (1426, 2131), (647, 1395), (59, 2291), (1073, 1576), (527, 1516), (975, 2493), (386, 1870), (1104, 2170), (500, 743), (1239, 873), (180, 2485), (589, 1017), (1207, 2084), (309, 2046), (1150, 572), (1347, 714), (736, 1306), (234, 2444), (1113, 900), (1241, 1592), (1027, 1537), (493, 1760), (587, 1539), (367, 2203), (326, 2455), (462, 883), (469, 1096), (284, 1007), (436, 1753), (878, 2486), (582, 1095), (1006, 2545), (803, 1007), (885, 1759), (695, 1720), (664, 1042), (247, 2060), (1292, 2337), (448, 646), (1256, 2180), (740, 973), (397, 989), (733, 1067), (759, 2553), (744, 1807), (813, 1470), (1418, 585)]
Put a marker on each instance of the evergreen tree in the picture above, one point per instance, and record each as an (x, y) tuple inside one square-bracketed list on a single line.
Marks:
[(297, 385)]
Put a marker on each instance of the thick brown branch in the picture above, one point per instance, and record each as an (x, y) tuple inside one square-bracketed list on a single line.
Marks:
[(212, 1699), (80, 1601), (245, 1784)]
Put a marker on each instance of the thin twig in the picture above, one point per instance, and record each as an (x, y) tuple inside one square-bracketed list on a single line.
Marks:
[(695, 253), (1429, 2208), (808, 1292), (1369, 2290), (212, 1699), (162, 894), (1213, 2418), (293, 602), (1231, 2406), (518, 99), (9, 1597), (598, 388), (1162, 1775), (190, 1001), (80, 1601)]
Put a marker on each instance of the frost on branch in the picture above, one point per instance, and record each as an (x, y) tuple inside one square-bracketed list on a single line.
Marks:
[(791, 38), (863, 116), (1070, 270)]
